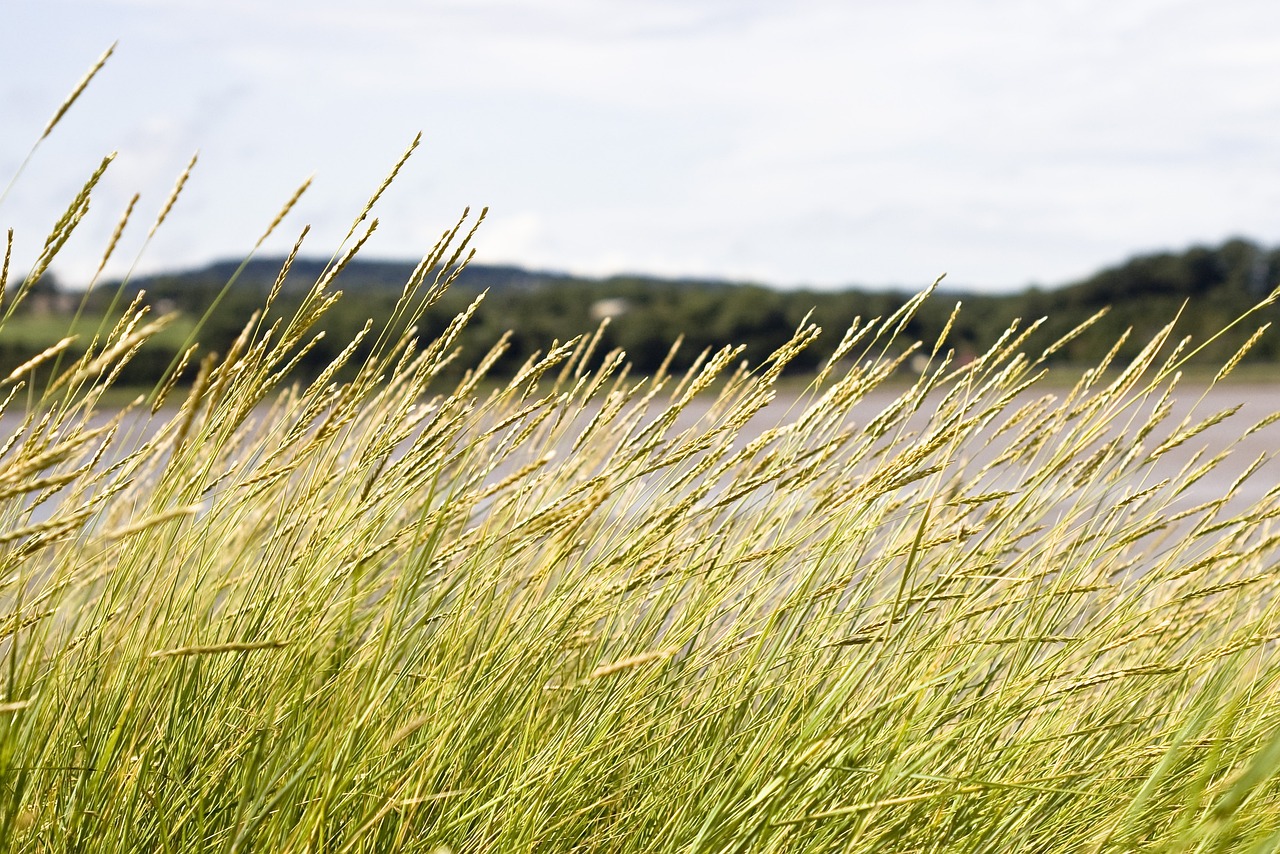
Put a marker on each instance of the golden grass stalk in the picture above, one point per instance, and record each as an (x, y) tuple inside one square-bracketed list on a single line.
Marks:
[(218, 649)]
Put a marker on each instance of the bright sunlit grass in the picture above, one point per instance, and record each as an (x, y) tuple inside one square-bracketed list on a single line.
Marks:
[(581, 611)]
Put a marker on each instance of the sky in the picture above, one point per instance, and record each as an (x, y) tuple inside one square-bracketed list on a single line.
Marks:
[(821, 143)]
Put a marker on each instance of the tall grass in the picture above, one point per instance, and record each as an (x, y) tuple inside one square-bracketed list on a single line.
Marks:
[(585, 611)]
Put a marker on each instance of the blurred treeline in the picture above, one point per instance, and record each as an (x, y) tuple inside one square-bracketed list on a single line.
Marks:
[(646, 315)]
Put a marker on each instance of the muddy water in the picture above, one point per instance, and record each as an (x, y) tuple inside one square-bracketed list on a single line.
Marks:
[(1256, 401)]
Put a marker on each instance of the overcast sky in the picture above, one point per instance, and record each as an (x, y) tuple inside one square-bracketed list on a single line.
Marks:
[(876, 142)]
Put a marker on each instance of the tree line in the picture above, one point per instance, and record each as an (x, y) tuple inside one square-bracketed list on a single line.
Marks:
[(1215, 284)]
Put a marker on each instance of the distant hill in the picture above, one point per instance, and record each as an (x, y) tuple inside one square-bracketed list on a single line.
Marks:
[(261, 273), (1238, 264), (1217, 283)]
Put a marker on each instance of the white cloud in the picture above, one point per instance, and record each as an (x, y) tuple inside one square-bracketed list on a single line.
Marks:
[(814, 141)]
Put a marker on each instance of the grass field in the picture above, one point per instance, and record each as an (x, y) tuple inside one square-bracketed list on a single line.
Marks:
[(45, 330), (560, 614)]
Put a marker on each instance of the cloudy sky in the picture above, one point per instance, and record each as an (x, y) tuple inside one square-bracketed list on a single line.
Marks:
[(820, 142)]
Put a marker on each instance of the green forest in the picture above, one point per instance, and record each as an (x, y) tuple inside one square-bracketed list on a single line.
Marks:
[(1208, 286)]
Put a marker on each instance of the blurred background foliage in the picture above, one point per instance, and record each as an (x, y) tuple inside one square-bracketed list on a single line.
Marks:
[(1216, 285)]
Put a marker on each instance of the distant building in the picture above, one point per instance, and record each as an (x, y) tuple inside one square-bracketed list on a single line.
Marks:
[(45, 297), (608, 307)]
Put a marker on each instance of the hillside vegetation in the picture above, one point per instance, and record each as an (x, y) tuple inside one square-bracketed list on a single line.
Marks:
[(648, 315)]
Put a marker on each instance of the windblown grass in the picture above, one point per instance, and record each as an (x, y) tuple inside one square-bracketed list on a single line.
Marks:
[(584, 611)]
